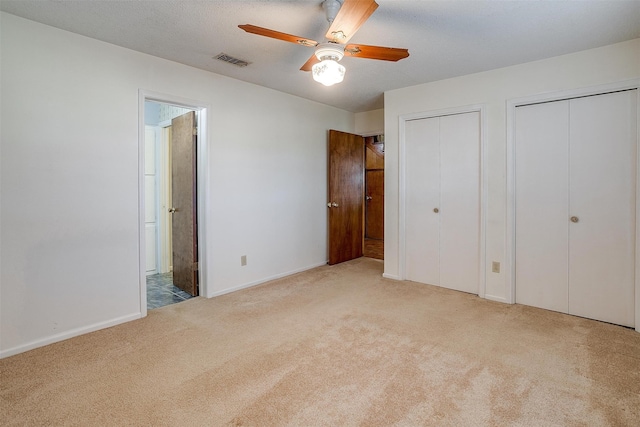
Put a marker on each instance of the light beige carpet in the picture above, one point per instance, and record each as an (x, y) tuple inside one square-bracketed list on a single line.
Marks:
[(334, 346)]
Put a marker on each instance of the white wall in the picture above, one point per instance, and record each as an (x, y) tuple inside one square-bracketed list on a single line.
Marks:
[(370, 122), (69, 178), (593, 67)]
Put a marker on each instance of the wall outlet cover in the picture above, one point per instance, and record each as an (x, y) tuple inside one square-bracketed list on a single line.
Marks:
[(495, 267)]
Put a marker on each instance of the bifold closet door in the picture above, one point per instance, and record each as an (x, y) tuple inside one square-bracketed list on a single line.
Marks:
[(460, 201), (422, 196), (602, 183), (442, 201), (542, 207), (575, 206)]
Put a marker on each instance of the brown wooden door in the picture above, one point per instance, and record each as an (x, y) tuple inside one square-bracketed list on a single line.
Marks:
[(346, 196), (374, 214), (183, 188)]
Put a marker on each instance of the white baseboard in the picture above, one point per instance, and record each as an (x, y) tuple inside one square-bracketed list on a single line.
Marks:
[(391, 276), (66, 335), (264, 280), (494, 298)]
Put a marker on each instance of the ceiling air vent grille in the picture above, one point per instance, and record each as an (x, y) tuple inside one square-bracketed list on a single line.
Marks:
[(231, 60)]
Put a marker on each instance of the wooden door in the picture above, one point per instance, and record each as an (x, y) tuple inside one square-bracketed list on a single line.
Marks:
[(183, 190), (374, 218), (346, 194)]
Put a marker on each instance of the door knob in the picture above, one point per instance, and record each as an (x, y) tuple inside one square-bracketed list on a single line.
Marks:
[(575, 219), (436, 210), (368, 198), (334, 205), (172, 210)]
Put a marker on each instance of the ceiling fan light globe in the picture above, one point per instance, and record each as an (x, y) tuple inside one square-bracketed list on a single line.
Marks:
[(328, 72)]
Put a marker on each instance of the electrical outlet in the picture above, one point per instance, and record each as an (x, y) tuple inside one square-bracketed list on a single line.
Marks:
[(243, 260), (495, 267)]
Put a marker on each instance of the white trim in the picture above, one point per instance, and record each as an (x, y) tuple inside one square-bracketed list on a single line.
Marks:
[(495, 298), (402, 164), (373, 133), (483, 191), (68, 334), (391, 276), (637, 290), (268, 279), (510, 232), (202, 178), (142, 250)]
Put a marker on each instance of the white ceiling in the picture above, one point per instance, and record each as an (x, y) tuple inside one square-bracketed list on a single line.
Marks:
[(445, 38)]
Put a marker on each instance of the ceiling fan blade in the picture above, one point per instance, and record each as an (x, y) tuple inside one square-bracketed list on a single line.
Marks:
[(310, 63), (352, 14), (278, 35), (375, 52)]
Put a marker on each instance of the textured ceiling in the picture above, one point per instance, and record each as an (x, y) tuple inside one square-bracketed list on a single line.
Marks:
[(445, 38)]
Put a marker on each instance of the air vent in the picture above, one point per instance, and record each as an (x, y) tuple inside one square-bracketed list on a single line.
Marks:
[(231, 60)]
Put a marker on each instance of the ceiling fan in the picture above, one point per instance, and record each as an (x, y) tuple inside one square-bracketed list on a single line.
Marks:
[(345, 17)]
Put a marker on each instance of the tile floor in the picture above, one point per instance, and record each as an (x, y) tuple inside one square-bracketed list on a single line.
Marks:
[(161, 292)]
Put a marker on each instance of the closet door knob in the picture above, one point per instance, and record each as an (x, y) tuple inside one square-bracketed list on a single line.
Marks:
[(436, 210), (575, 219)]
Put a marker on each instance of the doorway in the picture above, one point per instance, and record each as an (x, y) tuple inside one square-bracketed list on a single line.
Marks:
[(374, 197), (355, 196), (172, 150)]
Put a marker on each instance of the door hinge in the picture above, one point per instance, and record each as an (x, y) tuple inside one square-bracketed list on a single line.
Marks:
[(195, 131), (194, 266)]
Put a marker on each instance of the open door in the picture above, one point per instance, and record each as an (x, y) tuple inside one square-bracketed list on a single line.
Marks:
[(346, 196), (183, 188), (374, 228)]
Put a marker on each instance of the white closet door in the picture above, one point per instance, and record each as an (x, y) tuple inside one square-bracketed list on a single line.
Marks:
[(442, 201), (422, 195), (542, 211), (575, 206), (460, 201), (602, 197)]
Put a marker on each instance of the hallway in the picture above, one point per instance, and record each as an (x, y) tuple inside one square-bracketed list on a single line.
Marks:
[(161, 292)]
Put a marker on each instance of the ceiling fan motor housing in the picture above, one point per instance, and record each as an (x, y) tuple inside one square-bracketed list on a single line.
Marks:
[(331, 8), (329, 51)]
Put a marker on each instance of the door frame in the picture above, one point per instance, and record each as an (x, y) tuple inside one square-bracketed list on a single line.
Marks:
[(364, 231), (510, 264), (402, 120), (202, 179)]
